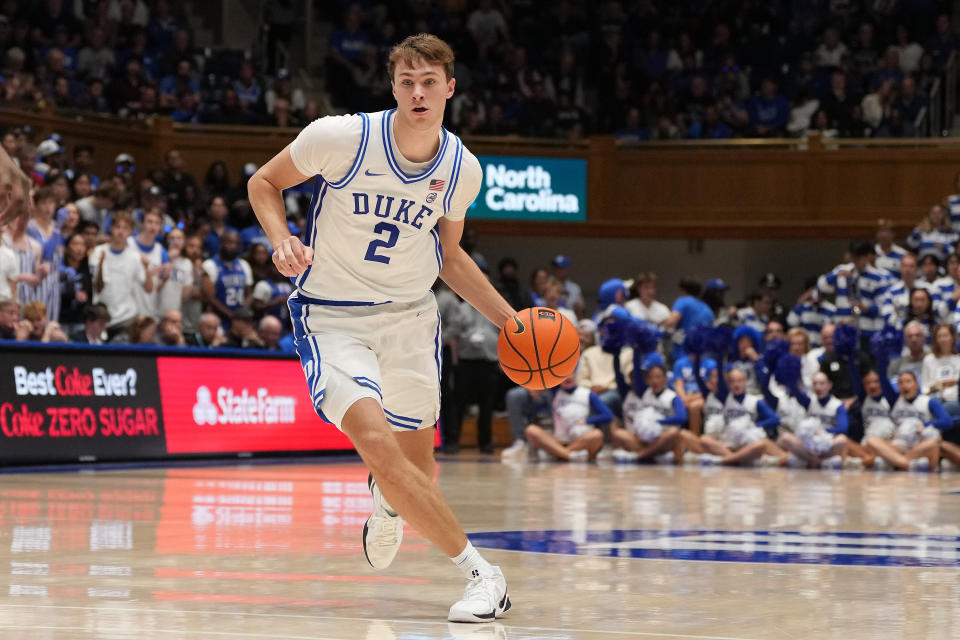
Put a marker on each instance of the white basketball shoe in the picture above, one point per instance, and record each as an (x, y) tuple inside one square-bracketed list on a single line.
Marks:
[(484, 600), (382, 532)]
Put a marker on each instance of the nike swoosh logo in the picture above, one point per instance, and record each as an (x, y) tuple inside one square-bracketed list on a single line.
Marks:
[(520, 327), (369, 173)]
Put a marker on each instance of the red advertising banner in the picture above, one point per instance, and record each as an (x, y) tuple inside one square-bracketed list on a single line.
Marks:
[(79, 406), (214, 405)]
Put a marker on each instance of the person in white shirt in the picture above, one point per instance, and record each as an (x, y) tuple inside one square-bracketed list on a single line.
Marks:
[(158, 263), (118, 270), (941, 369), (9, 274), (645, 306)]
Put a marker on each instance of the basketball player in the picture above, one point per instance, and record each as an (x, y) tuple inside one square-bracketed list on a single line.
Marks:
[(391, 192)]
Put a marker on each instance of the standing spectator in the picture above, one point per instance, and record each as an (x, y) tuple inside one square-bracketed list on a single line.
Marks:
[(118, 270), (76, 285), (180, 187), (910, 103), (509, 285), (945, 42), (163, 24), (157, 263), (477, 372), (270, 295), (596, 371), (248, 89), (29, 260), (217, 217), (487, 26), (538, 286), (96, 207), (756, 314), (923, 310), (182, 289), (9, 273), (889, 254), (896, 300), (216, 182), (934, 234), (688, 312), (228, 280), (769, 110), (43, 228), (170, 329), (347, 47), (811, 312), (714, 293), (645, 306), (572, 295), (859, 288), (909, 51), (949, 286)]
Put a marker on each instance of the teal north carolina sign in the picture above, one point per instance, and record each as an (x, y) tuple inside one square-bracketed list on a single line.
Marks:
[(521, 188)]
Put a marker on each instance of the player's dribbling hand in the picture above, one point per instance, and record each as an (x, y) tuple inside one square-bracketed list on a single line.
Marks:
[(291, 257)]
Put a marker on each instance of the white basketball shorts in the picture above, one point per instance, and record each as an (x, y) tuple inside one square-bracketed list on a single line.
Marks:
[(388, 352)]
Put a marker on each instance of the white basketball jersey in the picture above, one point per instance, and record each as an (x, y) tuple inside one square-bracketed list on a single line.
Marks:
[(919, 409), (373, 231)]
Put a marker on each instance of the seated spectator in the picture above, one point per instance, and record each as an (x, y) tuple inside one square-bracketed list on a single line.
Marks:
[(9, 319), (141, 330), (915, 343), (898, 298), (118, 270), (923, 310), (170, 329), (710, 126), (577, 412), (9, 273), (174, 86), (832, 50), (572, 295), (876, 106), (97, 59), (209, 332), (96, 318), (532, 407), (242, 334), (37, 327), (270, 295), (768, 110), (596, 371), (714, 293), (538, 286), (270, 331)]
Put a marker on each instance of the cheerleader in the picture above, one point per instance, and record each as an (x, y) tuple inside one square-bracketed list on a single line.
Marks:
[(577, 411), (652, 412), (819, 439), (918, 419)]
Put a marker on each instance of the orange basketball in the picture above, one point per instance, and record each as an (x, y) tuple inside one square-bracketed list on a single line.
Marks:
[(538, 348)]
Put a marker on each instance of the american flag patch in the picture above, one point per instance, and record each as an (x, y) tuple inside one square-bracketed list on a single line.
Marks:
[(437, 185)]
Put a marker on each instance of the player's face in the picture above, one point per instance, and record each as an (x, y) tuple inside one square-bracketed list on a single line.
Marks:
[(421, 92)]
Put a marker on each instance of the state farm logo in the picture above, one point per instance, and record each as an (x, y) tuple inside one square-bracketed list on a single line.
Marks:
[(243, 407)]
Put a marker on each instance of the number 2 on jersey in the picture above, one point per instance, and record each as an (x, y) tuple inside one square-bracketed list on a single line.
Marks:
[(393, 233)]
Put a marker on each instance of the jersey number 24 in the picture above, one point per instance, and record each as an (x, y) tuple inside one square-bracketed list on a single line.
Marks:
[(392, 234)]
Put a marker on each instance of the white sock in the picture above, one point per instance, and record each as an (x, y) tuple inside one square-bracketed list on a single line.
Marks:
[(471, 563)]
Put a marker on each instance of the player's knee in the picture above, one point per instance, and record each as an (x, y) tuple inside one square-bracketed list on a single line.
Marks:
[(377, 449)]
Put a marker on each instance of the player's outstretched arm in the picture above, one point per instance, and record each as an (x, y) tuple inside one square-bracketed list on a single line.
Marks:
[(266, 197), (463, 275)]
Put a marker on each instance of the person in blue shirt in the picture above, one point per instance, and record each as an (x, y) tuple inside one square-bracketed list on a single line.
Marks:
[(688, 312), (217, 216), (768, 110), (577, 412)]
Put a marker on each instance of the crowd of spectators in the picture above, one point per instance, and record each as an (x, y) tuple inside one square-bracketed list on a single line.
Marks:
[(650, 69), (174, 261), (662, 70), (137, 59)]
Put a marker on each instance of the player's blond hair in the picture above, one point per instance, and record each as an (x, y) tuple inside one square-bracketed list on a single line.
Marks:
[(423, 47)]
